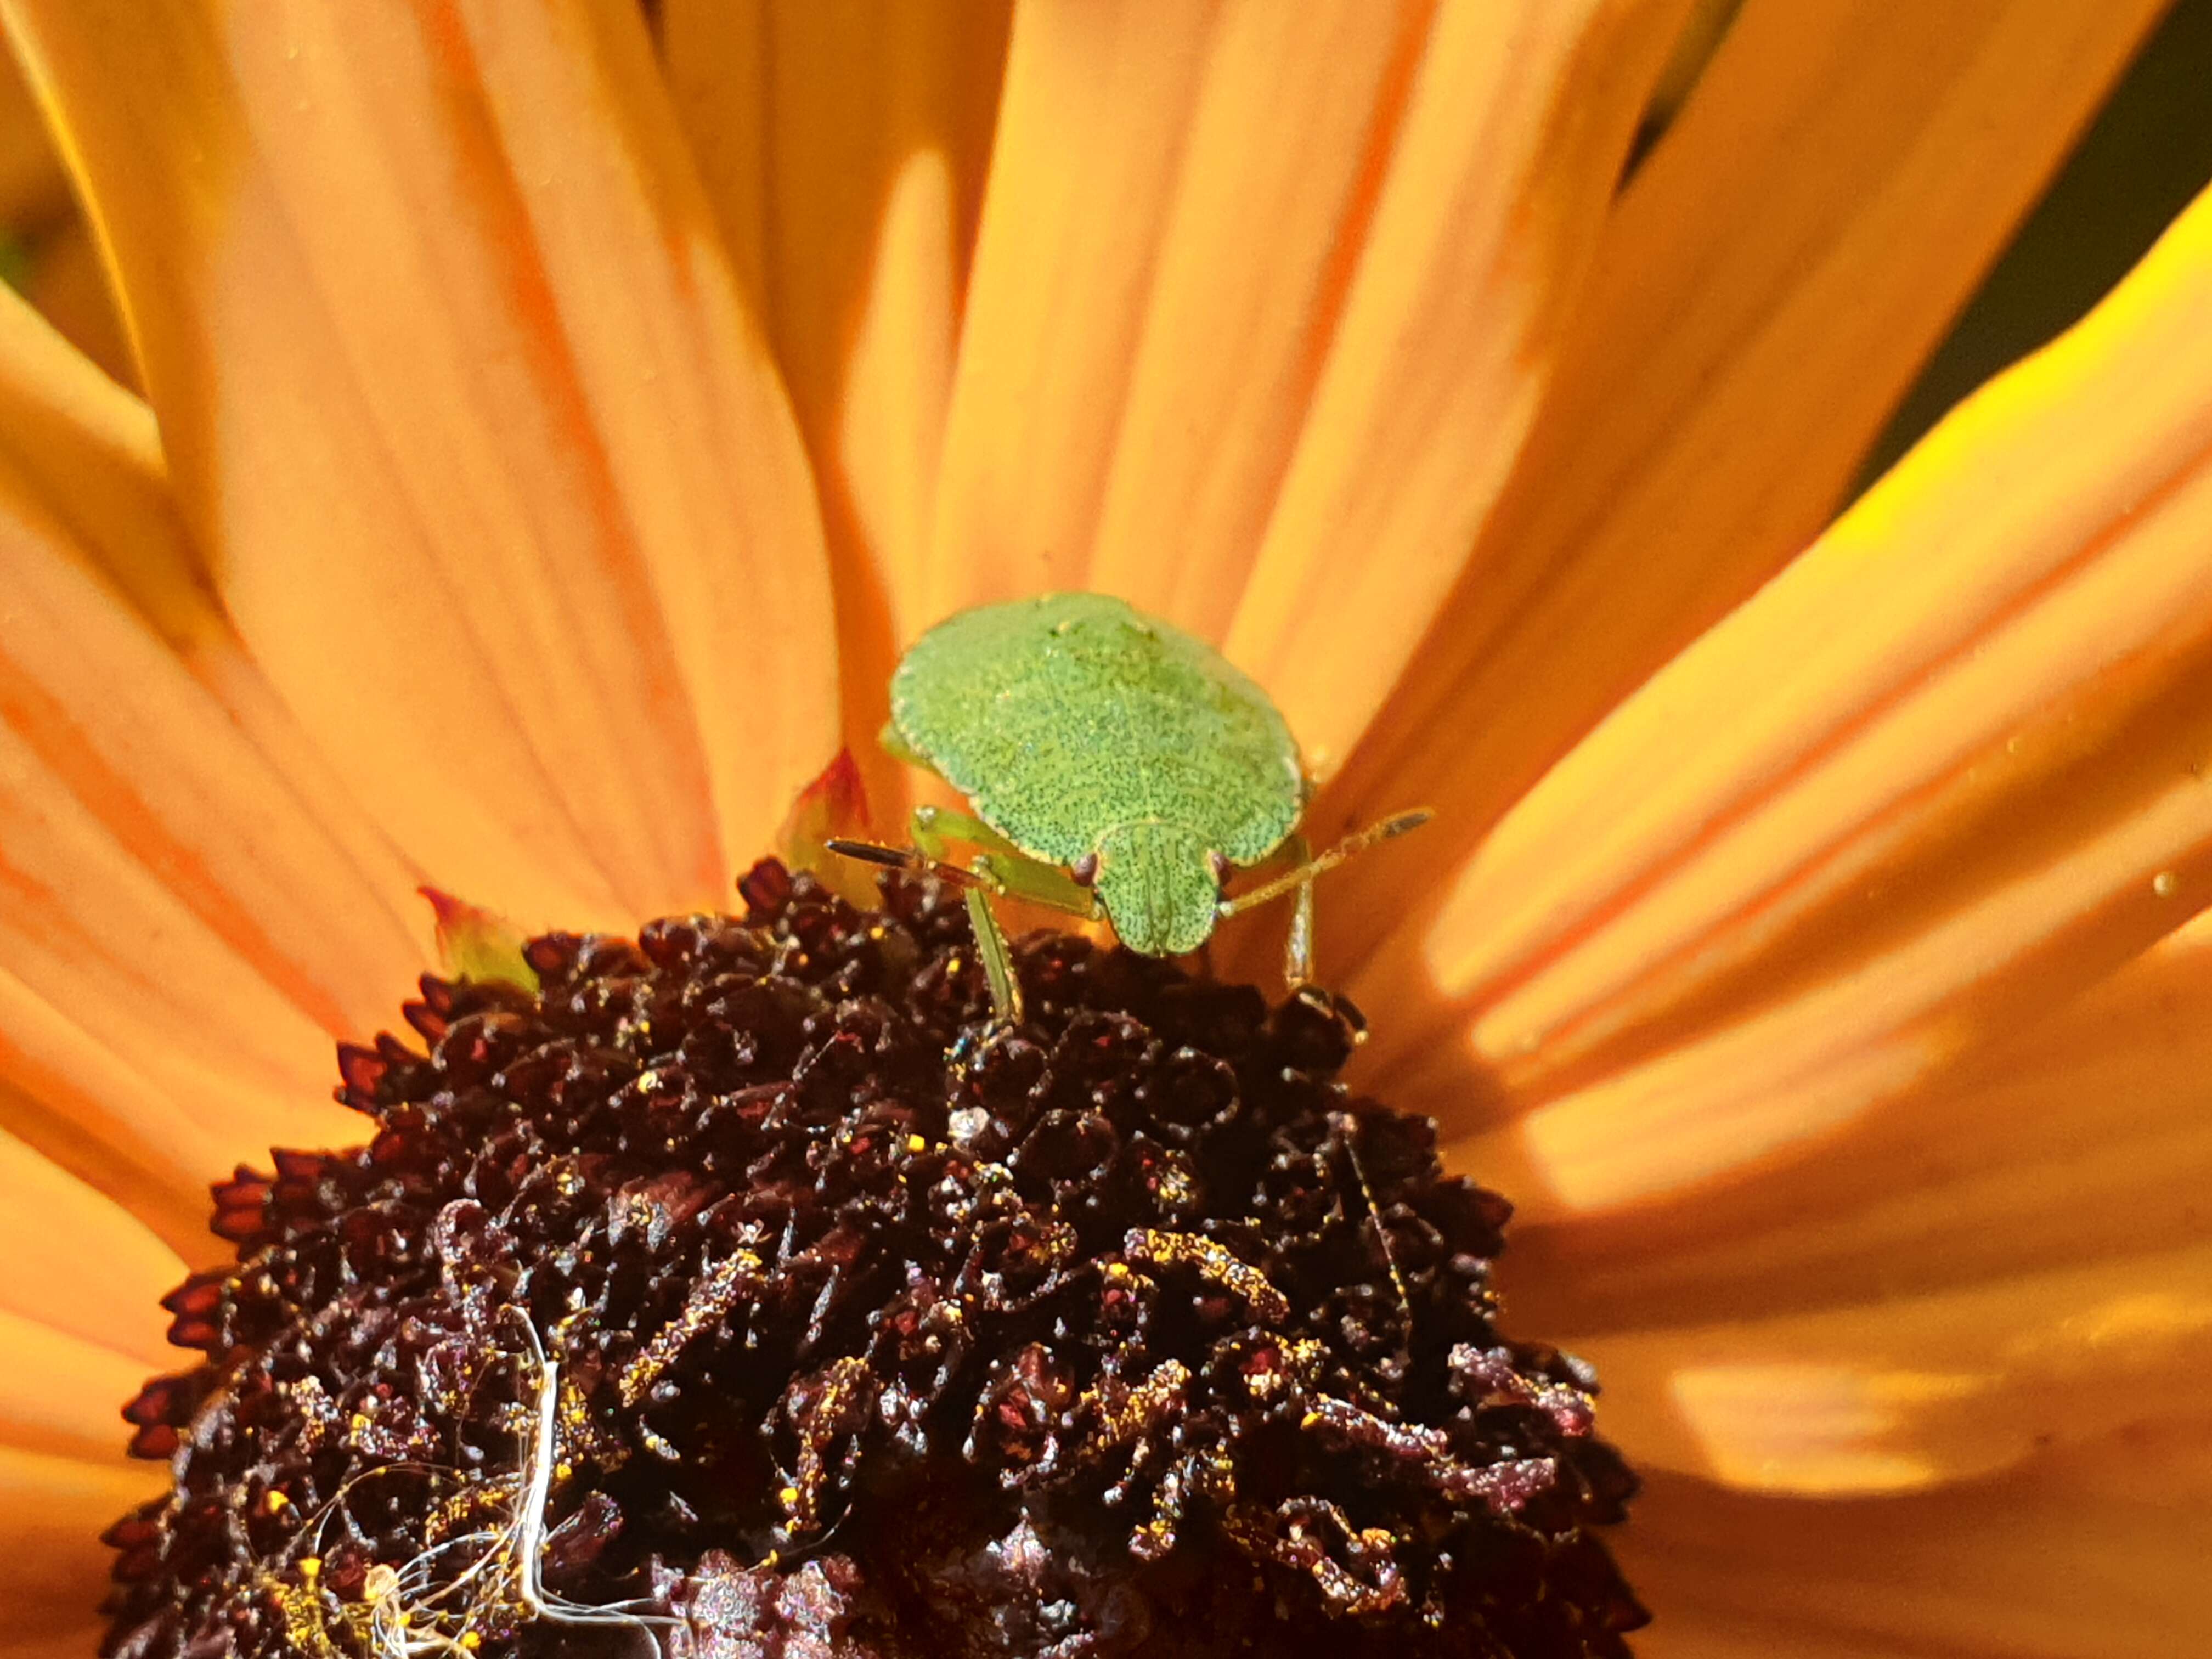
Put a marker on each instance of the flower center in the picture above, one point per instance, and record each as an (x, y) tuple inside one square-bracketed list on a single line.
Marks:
[(729, 1293)]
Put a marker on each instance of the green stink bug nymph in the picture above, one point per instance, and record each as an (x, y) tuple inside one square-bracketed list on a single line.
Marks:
[(1113, 763)]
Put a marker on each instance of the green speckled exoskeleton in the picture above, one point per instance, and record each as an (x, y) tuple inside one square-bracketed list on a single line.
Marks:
[(1115, 765)]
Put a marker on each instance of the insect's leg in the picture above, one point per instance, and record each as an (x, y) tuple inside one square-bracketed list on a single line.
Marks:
[(934, 828), (1019, 875), (1348, 1125), (991, 949), (1388, 829), (1298, 957), (1297, 948), (909, 858), (899, 749)]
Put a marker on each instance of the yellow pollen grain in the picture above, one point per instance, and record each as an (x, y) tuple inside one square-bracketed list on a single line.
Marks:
[(916, 1144)]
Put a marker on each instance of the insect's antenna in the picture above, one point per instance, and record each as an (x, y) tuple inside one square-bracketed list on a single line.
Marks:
[(1290, 881), (909, 858), (1348, 1128)]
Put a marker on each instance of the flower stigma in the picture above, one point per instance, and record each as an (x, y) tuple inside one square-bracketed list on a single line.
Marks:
[(724, 1295)]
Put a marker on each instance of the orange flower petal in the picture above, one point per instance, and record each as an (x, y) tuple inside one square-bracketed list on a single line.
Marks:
[(172, 985), (439, 300), (2021, 1565), (2014, 1160), (52, 1510), (1773, 277), (1244, 287), (90, 929), (98, 706), (1947, 769), (59, 1394), (73, 1642), (1094, 114), (33, 189), (1484, 224), (68, 1095), (80, 1265), (1898, 1392), (68, 284), (87, 451), (853, 246), (195, 974)]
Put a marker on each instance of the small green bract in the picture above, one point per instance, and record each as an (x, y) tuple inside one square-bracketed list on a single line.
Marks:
[(1078, 727)]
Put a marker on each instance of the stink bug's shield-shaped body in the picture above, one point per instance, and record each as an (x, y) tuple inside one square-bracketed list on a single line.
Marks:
[(1081, 730)]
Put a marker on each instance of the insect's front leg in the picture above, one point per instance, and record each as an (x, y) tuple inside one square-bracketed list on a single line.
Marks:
[(1011, 873), (998, 959), (934, 828), (1004, 867), (1016, 875)]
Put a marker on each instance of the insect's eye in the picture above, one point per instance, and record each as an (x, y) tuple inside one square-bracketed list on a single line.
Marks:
[(1222, 867), (1084, 869)]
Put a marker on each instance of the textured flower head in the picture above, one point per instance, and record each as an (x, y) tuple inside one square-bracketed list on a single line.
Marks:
[(549, 422)]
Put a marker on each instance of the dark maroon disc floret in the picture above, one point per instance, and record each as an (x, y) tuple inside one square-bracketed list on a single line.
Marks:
[(734, 1297)]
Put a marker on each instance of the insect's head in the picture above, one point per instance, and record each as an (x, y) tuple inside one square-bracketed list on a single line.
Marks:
[(1157, 884)]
